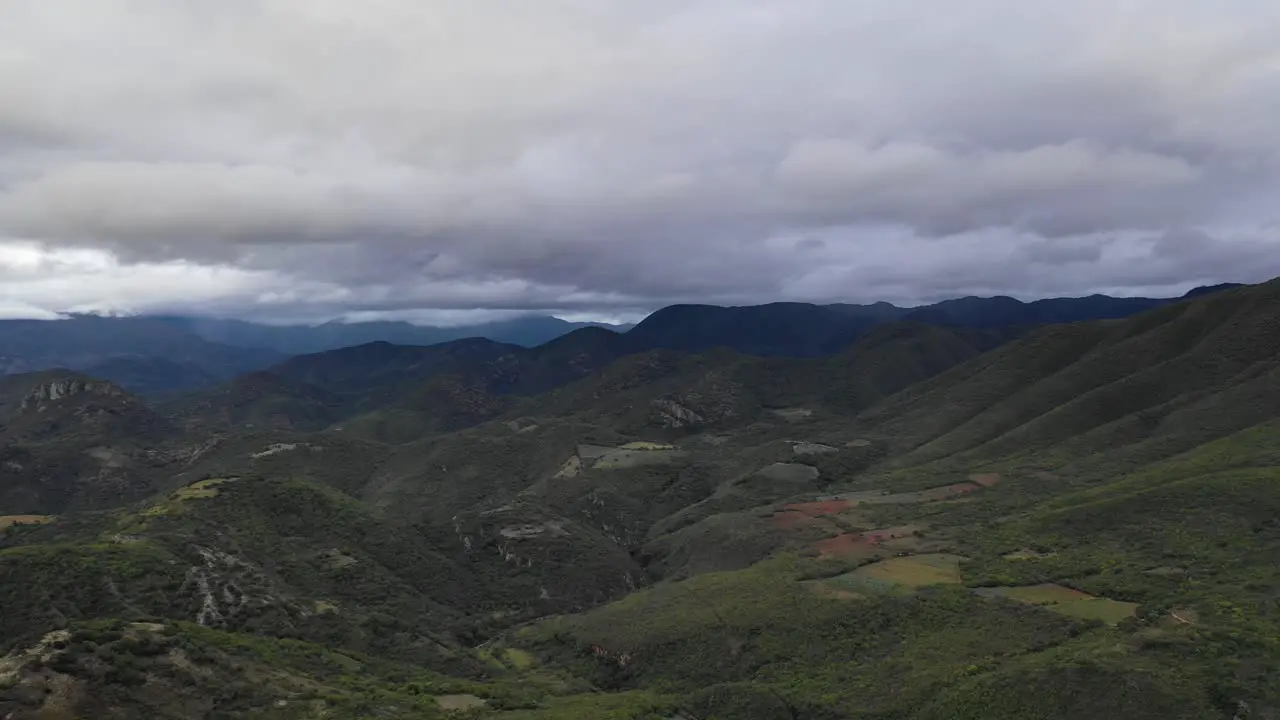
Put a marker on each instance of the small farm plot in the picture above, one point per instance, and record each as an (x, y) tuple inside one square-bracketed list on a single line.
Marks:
[(846, 545), (11, 520), (902, 574), (460, 703), (1066, 601), (1107, 610)]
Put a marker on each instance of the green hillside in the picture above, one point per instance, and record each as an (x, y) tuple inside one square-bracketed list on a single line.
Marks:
[(1081, 521)]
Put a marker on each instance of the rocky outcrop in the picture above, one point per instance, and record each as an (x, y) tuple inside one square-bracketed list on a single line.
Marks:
[(44, 395), (672, 414)]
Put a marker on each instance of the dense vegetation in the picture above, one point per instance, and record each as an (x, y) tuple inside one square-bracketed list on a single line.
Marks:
[(1080, 521)]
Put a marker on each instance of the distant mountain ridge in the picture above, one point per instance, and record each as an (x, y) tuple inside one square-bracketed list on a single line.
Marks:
[(157, 355), (460, 383), (305, 339), (805, 330)]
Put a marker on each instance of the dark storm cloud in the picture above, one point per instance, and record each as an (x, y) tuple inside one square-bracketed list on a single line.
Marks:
[(317, 158)]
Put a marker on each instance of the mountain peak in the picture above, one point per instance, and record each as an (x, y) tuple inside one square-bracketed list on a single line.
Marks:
[(1210, 289)]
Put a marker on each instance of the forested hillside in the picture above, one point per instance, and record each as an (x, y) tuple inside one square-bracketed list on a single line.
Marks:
[(1075, 521)]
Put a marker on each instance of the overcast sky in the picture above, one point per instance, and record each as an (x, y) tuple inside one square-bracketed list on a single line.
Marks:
[(306, 159)]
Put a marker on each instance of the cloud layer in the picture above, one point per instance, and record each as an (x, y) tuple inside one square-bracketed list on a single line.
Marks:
[(298, 159)]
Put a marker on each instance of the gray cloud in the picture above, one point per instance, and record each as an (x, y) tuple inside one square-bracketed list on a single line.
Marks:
[(292, 159)]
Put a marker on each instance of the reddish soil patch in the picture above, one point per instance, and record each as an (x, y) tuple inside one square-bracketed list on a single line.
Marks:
[(842, 545), (818, 509), (986, 480)]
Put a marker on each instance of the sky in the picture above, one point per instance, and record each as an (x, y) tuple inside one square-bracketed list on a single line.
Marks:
[(437, 160)]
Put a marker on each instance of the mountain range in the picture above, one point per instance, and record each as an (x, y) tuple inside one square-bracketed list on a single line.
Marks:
[(976, 510), (163, 355)]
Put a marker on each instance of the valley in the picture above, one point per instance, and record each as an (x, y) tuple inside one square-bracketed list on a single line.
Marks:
[(933, 520)]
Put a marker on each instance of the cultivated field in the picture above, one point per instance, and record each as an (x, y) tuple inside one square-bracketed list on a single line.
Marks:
[(11, 520), (1066, 601), (903, 573)]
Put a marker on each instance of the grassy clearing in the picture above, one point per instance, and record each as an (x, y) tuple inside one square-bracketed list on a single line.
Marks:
[(519, 659), (460, 702), (643, 445), (11, 520), (572, 468), (202, 489), (905, 573), (1066, 601), (1104, 609)]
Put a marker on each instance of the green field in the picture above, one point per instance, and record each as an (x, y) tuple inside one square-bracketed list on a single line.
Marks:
[(902, 573)]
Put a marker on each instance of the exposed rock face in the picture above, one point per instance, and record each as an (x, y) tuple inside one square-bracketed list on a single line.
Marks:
[(226, 586), (674, 415), (43, 395)]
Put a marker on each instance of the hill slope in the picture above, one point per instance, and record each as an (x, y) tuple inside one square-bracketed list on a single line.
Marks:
[(68, 441), (375, 374), (1079, 523)]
